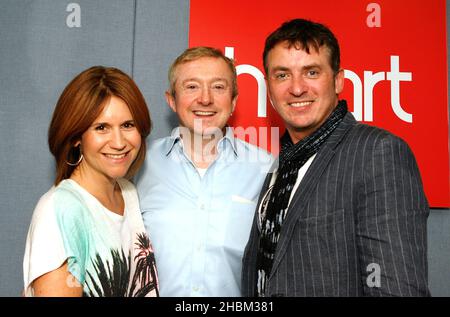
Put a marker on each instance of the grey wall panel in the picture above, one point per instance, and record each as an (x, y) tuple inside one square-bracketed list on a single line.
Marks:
[(439, 252), (162, 29)]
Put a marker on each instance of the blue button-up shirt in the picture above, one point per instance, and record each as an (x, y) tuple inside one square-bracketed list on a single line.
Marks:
[(199, 226)]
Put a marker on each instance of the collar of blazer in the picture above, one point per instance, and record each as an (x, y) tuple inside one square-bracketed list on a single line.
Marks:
[(308, 183)]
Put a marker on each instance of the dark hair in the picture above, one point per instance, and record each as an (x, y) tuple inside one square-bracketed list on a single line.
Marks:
[(194, 53), (304, 34), (81, 102)]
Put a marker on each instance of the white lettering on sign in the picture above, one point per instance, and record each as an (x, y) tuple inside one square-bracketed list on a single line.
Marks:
[(370, 80), (259, 76)]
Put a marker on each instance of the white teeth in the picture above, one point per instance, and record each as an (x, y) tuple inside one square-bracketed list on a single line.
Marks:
[(203, 113), (116, 156), (300, 104)]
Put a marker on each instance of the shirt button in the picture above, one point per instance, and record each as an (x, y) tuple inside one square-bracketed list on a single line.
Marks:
[(195, 288), (202, 206)]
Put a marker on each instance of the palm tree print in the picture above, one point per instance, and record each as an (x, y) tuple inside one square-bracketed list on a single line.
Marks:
[(145, 272), (114, 278)]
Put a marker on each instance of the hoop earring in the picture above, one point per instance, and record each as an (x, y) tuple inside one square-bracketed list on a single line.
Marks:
[(79, 159)]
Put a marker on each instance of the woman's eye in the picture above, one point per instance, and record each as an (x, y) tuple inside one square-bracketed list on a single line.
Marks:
[(100, 127), (128, 125)]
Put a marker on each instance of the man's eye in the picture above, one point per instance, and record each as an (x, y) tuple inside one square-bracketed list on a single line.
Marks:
[(281, 76), (313, 73), (219, 87)]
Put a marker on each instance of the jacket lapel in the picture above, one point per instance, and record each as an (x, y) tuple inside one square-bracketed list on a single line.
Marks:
[(264, 188), (307, 185), (263, 192)]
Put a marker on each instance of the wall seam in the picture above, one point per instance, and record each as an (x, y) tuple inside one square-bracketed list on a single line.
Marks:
[(133, 37)]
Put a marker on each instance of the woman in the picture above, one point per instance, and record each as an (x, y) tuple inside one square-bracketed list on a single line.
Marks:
[(86, 236)]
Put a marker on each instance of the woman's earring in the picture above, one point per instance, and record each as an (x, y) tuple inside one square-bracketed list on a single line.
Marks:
[(80, 158)]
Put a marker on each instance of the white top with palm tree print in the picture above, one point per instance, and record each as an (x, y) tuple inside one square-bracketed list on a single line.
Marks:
[(108, 254)]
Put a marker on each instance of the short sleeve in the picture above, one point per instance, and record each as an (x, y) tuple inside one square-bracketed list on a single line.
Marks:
[(56, 234), (72, 216)]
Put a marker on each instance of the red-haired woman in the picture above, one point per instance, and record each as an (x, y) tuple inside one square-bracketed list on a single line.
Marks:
[(86, 236)]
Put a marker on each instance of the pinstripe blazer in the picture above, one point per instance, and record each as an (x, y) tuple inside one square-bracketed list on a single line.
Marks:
[(356, 226)]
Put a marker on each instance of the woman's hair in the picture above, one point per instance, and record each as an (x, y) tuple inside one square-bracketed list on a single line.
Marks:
[(81, 102)]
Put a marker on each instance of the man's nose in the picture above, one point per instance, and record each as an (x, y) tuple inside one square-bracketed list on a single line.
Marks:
[(205, 97), (298, 85)]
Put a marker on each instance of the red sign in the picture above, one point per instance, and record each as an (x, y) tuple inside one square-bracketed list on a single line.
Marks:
[(395, 58)]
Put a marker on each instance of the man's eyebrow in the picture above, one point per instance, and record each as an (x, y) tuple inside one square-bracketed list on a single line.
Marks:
[(313, 65), (198, 79), (190, 79), (280, 68), (305, 67)]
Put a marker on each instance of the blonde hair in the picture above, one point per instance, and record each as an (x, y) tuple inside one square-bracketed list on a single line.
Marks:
[(194, 53)]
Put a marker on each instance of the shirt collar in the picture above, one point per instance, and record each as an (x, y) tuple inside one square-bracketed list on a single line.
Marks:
[(174, 138), (221, 145), (228, 138)]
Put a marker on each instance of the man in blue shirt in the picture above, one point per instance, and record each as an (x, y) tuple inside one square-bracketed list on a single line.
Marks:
[(198, 187)]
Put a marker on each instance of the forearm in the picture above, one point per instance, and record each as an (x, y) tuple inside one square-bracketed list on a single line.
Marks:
[(57, 283)]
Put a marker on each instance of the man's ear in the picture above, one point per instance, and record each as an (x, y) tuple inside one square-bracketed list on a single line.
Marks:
[(233, 103), (170, 99), (339, 82)]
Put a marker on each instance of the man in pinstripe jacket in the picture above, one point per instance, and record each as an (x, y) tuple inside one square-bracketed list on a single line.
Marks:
[(344, 214)]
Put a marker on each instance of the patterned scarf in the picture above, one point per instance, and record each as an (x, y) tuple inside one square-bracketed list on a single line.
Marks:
[(274, 207)]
